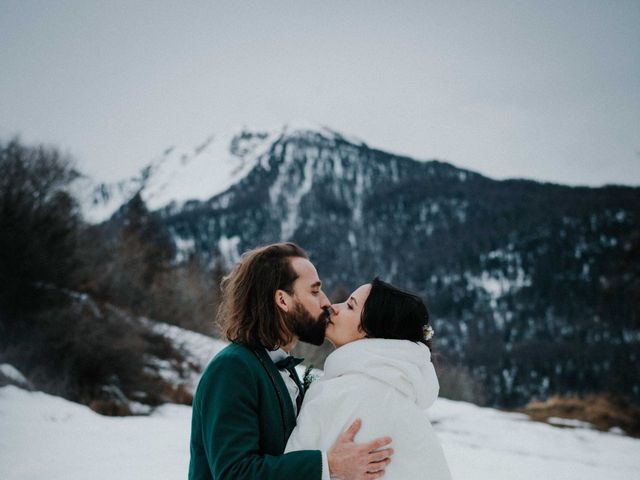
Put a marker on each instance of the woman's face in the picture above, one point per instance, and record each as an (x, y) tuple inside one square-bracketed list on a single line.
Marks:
[(344, 324)]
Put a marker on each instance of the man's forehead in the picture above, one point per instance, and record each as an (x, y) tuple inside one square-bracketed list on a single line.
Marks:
[(306, 271)]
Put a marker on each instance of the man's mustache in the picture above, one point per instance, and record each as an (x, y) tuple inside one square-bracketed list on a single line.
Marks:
[(325, 316)]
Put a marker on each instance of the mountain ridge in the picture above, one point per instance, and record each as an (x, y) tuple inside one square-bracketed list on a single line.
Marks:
[(527, 282), (221, 160)]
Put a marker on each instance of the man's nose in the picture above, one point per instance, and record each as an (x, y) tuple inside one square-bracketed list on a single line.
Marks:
[(326, 303)]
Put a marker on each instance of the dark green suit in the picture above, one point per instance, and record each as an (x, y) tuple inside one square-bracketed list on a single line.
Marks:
[(242, 418)]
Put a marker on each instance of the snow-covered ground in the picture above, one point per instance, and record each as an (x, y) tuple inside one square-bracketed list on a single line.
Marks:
[(483, 443), (46, 437)]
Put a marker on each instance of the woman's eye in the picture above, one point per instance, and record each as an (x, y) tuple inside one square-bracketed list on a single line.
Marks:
[(349, 307)]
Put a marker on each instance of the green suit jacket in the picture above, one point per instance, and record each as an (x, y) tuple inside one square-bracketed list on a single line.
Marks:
[(242, 418)]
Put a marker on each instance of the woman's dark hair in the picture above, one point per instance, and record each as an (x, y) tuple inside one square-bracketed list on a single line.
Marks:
[(248, 313), (390, 312)]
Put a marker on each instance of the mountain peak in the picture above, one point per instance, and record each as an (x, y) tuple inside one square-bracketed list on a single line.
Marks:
[(299, 129), (303, 127), (179, 175)]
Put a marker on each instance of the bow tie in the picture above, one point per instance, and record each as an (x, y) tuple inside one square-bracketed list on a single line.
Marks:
[(288, 362)]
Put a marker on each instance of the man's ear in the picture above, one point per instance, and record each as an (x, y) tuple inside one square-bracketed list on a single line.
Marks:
[(283, 300)]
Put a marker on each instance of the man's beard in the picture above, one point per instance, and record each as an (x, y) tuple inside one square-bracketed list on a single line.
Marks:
[(305, 327)]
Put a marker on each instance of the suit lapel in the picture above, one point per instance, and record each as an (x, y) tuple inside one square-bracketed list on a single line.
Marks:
[(286, 406)]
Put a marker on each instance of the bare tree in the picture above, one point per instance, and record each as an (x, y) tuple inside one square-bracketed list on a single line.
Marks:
[(39, 222)]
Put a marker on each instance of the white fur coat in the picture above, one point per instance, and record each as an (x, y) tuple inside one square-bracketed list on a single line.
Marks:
[(389, 384)]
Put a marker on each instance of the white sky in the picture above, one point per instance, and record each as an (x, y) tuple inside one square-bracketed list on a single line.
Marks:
[(541, 89)]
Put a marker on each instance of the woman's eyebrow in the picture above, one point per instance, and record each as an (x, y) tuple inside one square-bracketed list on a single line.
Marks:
[(354, 300)]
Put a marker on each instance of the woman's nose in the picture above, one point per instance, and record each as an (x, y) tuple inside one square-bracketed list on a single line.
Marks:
[(329, 308)]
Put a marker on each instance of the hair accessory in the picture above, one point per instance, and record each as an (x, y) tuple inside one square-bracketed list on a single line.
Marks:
[(427, 332)]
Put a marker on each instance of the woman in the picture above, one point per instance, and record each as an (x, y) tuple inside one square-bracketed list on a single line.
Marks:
[(382, 373)]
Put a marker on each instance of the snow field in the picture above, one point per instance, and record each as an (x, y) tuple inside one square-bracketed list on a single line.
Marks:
[(47, 437), (42, 436)]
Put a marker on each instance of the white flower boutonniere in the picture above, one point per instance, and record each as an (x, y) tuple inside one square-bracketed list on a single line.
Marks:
[(309, 377)]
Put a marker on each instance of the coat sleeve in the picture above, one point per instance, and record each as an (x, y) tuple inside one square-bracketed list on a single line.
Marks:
[(229, 414)]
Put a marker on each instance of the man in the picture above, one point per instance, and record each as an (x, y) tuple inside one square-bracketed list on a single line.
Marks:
[(245, 407)]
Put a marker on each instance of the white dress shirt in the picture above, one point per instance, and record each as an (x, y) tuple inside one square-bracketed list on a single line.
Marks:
[(293, 390)]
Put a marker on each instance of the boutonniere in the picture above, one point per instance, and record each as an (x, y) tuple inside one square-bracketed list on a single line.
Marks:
[(309, 377)]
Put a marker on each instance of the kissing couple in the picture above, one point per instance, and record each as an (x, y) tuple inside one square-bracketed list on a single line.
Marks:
[(363, 419)]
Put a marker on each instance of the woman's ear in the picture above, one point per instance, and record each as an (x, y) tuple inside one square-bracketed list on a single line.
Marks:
[(283, 300)]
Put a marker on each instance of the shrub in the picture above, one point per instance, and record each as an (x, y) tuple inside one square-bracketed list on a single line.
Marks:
[(39, 222), (604, 411), (97, 355)]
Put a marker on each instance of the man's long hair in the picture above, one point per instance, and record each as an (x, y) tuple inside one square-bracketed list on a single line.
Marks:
[(248, 313)]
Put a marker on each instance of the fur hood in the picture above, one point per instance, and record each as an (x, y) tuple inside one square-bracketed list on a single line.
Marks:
[(401, 364)]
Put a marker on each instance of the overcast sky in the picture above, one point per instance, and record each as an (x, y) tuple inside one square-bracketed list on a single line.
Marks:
[(548, 90)]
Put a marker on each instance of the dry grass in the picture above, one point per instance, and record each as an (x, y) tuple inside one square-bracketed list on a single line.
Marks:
[(603, 411)]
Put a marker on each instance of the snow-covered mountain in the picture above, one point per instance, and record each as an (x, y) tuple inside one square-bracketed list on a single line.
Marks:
[(533, 287), (181, 175)]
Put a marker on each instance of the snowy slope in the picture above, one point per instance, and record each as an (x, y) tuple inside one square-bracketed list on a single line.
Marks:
[(180, 175), (48, 437), (197, 348)]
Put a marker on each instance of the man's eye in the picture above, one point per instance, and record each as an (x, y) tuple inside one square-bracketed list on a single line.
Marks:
[(315, 293)]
